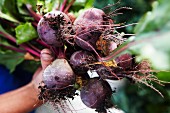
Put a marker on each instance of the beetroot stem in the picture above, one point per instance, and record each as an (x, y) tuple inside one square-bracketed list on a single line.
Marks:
[(125, 47), (30, 50), (11, 38), (42, 43), (69, 5), (33, 47), (34, 24), (116, 52), (32, 13), (54, 50), (11, 24), (63, 6), (13, 48), (61, 53)]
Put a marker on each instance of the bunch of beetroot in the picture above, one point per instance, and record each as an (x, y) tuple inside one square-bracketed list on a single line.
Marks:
[(80, 46)]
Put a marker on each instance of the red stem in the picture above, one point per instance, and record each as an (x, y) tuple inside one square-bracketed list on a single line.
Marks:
[(11, 24), (32, 13), (59, 52), (13, 48), (69, 5), (54, 51), (63, 6), (8, 36), (30, 50), (42, 43), (117, 52), (125, 48), (34, 24), (33, 47), (11, 38)]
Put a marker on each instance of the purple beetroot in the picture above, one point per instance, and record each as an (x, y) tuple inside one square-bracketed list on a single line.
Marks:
[(80, 61), (96, 94), (51, 28), (89, 27), (58, 75)]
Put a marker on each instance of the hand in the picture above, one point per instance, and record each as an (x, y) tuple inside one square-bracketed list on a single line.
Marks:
[(25, 99), (46, 59)]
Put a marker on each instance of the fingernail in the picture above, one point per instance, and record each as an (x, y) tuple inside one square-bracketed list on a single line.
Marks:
[(46, 56), (46, 51)]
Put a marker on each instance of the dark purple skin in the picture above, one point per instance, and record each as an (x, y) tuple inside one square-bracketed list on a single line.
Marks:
[(94, 94), (107, 72), (124, 61), (79, 61), (58, 75), (90, 37), (50, 28), (88, 27), (104, 73)]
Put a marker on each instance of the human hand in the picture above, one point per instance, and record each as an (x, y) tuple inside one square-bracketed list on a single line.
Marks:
[(25, 99), (46, 59)]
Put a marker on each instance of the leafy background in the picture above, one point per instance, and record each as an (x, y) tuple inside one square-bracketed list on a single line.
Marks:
[(151, 41)]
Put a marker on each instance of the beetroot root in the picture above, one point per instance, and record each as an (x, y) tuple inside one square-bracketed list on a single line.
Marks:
[(58, 75)]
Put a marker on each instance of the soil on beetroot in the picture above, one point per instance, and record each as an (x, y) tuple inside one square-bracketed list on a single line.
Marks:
[(91, 43), (56, 95)]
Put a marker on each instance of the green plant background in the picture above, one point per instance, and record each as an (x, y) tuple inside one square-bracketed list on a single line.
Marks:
[(153, 27)]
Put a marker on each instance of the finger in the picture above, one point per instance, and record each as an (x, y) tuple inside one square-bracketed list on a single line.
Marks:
[(37, 72), (46, 58)]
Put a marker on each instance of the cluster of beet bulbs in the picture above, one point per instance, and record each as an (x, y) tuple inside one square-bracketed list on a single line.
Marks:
[(81, 45)]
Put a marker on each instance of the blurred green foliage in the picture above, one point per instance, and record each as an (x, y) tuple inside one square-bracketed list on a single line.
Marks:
[(139, 7), (151, 42), (153, 30), (153, 27), (11, 59)]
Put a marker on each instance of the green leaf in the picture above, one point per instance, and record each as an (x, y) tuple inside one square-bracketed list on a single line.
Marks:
[(155, 47), (156, 19), (152, 39), (89, 3), (10, 8), (102, 3), (25, 33), (11, 60), (5, 13), (1, 4), (30, 65), (4, 42), (2, 29), (20, 5), (42, 4), (164, 76), (51, 5), (8, 17), (22, 9)]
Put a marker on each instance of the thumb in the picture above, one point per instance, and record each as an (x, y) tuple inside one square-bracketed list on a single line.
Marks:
[(46, 58)]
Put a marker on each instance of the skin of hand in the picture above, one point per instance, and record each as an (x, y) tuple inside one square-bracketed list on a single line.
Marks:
[(25, 99), (46, 59)]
